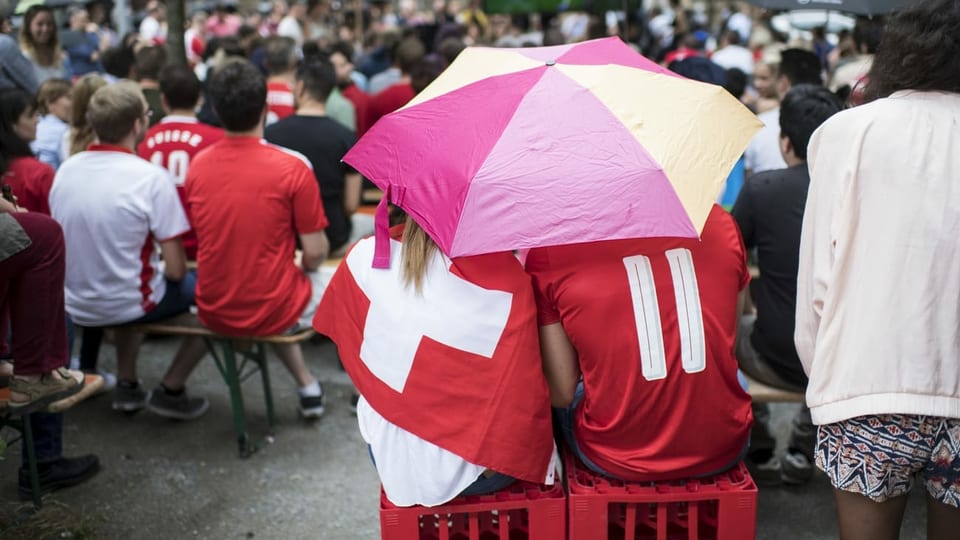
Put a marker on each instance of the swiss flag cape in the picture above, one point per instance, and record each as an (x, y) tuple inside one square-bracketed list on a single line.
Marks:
[(458, 365)]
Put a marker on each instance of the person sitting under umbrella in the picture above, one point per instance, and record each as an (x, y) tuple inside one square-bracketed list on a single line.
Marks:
[(444, 353), (637, 341)]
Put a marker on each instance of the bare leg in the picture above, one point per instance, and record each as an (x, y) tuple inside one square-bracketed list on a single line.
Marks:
[(943, 520), (863, 519), (128, 347), (292, 357), (191, 352)]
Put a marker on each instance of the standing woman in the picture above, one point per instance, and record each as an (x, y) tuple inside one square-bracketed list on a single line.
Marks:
[(41, 45), (878, 327), (30, 179), (81, 134)]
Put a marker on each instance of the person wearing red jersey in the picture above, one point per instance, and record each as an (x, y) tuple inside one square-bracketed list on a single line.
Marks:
[(249, 202), (179, 137), (280, 61), (408, 53), (29, 178), (650, 326)]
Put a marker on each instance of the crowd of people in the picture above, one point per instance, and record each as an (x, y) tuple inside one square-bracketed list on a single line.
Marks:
[(129, 169)]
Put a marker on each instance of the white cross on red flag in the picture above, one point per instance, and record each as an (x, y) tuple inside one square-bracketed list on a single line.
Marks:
[(457, 365)]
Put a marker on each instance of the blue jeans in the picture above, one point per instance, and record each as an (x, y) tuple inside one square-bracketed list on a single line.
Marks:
[(481, 486), (177, 299), (564, 421), (47, 437)]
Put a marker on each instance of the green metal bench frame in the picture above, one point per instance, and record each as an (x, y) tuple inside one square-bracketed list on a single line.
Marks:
[(21, 424), (234, 373)]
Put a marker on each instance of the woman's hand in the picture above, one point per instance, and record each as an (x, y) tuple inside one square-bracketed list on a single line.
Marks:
[(8, 207)]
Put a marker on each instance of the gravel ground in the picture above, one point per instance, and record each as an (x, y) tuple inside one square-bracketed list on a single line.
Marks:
[(164, 479)]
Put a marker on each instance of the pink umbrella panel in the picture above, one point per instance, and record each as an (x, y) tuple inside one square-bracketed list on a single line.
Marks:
[(525, 159)]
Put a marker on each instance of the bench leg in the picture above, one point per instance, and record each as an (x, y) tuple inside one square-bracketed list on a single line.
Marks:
[(31, 459), (261, 356), (232, 378)]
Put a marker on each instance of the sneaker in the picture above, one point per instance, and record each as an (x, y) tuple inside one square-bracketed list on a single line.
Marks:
[(36, 394), (765, 468), (354, 399), (311, 407), (129, 398), (6, 372), (109, 381), (179, 407), (797, 469), (64, 472)]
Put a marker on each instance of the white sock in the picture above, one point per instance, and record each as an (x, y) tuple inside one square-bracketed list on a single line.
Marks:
[(311, 390)]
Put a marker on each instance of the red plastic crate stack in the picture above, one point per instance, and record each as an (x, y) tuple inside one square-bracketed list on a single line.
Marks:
[(722, 507), (523, 511)]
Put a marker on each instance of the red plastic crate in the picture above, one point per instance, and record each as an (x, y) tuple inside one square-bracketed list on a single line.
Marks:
[(523, 511), (722, 507)]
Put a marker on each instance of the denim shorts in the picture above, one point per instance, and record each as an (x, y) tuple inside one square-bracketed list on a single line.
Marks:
[(881, 456)]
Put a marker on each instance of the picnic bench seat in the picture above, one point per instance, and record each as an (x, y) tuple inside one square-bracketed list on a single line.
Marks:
[(252, 351), (21, 424), (762, 393)]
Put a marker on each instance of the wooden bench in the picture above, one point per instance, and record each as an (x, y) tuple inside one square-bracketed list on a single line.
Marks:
[(21, 424), (762, 393), (253, 355)]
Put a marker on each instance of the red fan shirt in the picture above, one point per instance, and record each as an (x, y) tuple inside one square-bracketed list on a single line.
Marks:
[(280, 101), (653, 322), (388, 100), (456, 364), (248, 201), (172, 144), (31, 180), (361, 106)]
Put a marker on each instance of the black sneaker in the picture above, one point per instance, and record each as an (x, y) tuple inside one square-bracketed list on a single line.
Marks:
[(311, 407), (178, 407), (765, 468), (797, 469), (129, 397), (64, 472)]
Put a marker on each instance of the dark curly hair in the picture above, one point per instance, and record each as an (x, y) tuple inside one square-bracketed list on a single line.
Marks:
[(920, 50)]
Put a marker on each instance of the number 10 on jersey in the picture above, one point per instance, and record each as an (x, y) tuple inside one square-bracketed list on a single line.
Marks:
[(646, 312)]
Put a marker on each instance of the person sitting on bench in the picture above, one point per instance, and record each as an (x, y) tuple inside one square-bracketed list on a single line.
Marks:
[(31, 293), (115, 208), (769, 211), (250, 201)]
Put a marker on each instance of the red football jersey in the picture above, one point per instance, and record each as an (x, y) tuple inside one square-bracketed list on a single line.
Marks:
[(280, 101), (172, 144), (653, 322), (248, 201)]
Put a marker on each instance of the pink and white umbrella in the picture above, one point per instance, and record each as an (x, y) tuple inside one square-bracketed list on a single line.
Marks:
[(521, 148)]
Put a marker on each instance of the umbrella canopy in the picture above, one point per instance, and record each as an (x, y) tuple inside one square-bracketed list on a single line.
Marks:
[(859, 7), (810, 19), (520, 148)]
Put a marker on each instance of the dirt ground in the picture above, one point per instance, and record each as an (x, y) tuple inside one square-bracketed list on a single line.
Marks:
[(166, 479)]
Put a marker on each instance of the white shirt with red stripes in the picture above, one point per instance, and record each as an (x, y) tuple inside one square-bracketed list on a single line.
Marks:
[(114, 207)]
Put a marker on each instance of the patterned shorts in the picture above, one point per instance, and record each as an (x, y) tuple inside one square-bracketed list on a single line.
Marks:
[(880, 456)]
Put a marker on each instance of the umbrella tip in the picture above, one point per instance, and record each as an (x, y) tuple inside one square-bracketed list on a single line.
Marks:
[(551, 62)]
